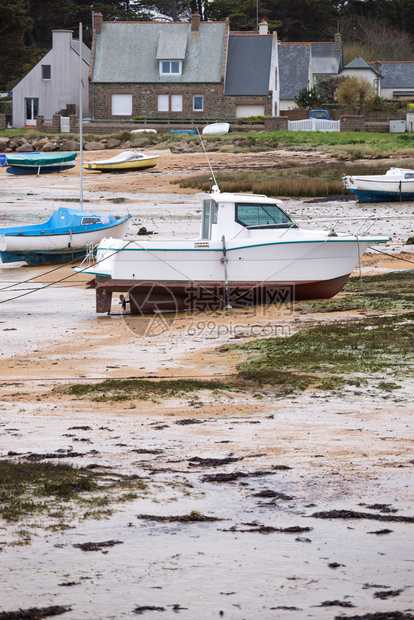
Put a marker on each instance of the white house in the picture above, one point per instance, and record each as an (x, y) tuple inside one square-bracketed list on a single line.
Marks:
[(397, 79), (360, 68), (53, 83)]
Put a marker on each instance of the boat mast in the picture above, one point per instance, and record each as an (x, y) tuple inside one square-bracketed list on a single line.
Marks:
[(80, 118)]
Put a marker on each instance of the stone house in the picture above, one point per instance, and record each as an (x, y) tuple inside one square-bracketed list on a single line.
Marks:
[(252, 81), (301, 65), (180, 70), (53, 83)]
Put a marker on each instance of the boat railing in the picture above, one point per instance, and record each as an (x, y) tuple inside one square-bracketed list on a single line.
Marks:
[(363, 224), (90, 255)]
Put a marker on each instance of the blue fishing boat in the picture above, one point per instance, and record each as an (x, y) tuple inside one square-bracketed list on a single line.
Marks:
[(65, 237), (39, 163)]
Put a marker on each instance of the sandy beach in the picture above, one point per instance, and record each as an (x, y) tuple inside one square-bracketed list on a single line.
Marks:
[(270, 554)]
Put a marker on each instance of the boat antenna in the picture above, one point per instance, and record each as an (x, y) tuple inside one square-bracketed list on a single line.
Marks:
[(80, 118), (208, 161)]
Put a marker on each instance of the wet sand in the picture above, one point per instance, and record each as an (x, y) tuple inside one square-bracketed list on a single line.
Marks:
[(308, 453)]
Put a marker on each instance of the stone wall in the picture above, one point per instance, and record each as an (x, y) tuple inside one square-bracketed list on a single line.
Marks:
[(45, 127), (2, 122), (378, 127), (350, 122), (274, 123), (145, 101)]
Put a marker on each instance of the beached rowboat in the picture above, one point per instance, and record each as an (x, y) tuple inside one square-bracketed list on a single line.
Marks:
[(216, 129), (39, 163), (128, 160), (64, 237)]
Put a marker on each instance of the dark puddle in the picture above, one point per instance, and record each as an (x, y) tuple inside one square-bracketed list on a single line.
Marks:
[(34, 613), (64, 454), (387, 594), (351, 514), (258, 528), (336, 604), (236, 475), (197, 461), (189, 421), (193, 517), (97, 546), (380, 615)]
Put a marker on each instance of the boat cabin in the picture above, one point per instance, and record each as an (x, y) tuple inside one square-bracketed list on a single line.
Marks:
[(235, 214)]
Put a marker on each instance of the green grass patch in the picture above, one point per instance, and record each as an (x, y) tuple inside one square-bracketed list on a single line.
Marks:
[(333, 352), (388, 292), (398, 283), (141, 389), (37, 488)]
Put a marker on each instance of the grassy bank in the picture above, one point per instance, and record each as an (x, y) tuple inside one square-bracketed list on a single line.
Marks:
[(295, 180)]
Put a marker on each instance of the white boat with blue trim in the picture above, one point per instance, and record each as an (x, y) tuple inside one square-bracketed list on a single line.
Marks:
[(249, 252), (66, 236), (395, 185)]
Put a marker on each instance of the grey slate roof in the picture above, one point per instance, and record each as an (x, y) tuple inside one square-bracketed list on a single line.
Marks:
[(172, 47), (325, 59), (127, 51), (293, 69), (86, 52), (397, 75), (358, 63), (248, 64)]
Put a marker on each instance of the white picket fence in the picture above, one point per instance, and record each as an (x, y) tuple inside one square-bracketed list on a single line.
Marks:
[(314, 124)]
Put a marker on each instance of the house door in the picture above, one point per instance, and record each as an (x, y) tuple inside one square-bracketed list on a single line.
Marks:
[(32, 110)]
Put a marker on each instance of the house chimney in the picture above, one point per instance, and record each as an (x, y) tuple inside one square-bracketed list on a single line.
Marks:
[(377, 66), (338, 42), (97, 22), (263, 29), (195, 22)]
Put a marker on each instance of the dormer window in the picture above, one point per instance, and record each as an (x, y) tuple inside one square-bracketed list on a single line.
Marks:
[(170, 67)]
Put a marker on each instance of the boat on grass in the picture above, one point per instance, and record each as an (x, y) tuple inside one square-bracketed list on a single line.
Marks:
[(395, 185), (249, 252), (39, 163), (216, 129), (128, 160), (178, 132), (66, 236)]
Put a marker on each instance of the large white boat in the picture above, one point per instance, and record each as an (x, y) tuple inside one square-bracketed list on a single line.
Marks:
[(395, 185), (249, 252)]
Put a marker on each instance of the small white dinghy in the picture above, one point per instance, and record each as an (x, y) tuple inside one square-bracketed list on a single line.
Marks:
[(128, 160), (216, 129)]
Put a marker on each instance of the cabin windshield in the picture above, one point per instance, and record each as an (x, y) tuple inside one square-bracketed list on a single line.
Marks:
[(255, 214), (409, 175)]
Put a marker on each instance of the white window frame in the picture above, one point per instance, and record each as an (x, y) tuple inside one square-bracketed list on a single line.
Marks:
[(163, 103), (167, 70), (176, 103), (194, 103), (121, 104)]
